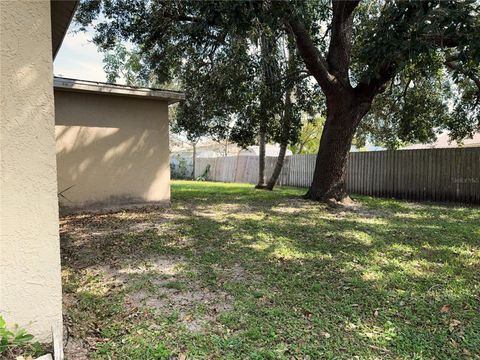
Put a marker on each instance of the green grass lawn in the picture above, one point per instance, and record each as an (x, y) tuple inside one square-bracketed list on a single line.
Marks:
[(237, 273)]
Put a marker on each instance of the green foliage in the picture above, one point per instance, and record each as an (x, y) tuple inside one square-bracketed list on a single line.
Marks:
[(436, 82), (232, 84), (16, 341), (216, 91), (127, 64), (399, 33), (309, 138), (204, 176), (180, 169), (413, 109), (119, 62)]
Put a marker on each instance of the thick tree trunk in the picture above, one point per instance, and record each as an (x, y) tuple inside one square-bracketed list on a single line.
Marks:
[(343, 117), (346, 105), (261, 158)]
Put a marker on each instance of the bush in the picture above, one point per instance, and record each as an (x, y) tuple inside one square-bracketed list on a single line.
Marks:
[(180, 169), (204, 176)]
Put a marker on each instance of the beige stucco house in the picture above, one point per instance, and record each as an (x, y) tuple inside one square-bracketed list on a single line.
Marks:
[(96, 144), (111, 144)]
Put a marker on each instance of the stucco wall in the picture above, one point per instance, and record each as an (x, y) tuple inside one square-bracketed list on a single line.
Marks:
[(111, 150), (30, 285)]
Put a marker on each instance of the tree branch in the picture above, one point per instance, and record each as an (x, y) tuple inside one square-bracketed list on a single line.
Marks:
[(455, 66), (441, 41), (340, 46), (292, 76), (314, 61), (431, 38), (373, 86), (187, 18)]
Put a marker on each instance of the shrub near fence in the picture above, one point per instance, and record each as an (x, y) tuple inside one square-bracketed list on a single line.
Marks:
[(426, 174), (181, 167)]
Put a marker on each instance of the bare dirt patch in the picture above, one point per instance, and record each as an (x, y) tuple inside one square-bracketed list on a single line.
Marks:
[(195, 305), (76, 349), (162, 265), (172, 291)]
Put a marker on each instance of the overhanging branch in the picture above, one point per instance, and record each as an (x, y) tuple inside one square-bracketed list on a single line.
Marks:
[(458, 67), (314, 61)]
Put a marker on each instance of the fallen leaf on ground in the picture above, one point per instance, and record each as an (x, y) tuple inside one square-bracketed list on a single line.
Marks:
[(445, 309), (453, 324)]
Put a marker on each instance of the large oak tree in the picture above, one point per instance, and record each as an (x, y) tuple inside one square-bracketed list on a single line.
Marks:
[(388, 39), (357, 52)]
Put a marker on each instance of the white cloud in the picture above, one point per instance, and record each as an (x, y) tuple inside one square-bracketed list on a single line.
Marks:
[(78, 58)]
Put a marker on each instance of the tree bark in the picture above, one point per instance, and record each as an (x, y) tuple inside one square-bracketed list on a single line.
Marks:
[(265, 49), (283, 144), (346, 105), (261, 157), (286, 124), (194, 158), (286, 120), (278, 166), (343, 116)]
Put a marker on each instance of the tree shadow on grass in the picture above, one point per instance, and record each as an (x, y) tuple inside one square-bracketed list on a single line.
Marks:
[(317, 281)]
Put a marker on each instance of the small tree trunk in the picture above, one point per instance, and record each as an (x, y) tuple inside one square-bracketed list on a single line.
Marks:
[(286, 123), (266, 46), (343, 117), (278, 167), (261, 158), (194, 157), (300, 149)]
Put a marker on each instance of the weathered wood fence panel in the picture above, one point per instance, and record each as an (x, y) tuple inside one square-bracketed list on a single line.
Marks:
[(427, 174)]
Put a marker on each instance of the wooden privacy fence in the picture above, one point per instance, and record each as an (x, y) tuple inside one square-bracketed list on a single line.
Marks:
[(427, 174)]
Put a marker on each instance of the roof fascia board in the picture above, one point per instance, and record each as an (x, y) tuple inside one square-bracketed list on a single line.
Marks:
[(111, 89)]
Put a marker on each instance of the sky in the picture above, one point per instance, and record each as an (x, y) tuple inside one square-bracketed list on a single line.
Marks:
[(78, 58)]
